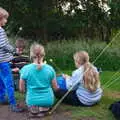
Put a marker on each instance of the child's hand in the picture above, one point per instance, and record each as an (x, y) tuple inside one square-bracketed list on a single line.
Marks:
[(15, 70), (65, 76)]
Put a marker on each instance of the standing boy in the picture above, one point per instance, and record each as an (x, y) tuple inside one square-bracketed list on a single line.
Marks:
[(6, 79)]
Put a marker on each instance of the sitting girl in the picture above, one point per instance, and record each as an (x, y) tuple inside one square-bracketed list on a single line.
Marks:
[(84, 81), (39, 78)]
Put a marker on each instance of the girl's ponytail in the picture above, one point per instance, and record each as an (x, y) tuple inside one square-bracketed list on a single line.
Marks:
[(91, 77)]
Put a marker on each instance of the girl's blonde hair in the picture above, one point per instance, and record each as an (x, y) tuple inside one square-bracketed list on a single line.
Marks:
[(37, 52), (91, 76), (3, 13)]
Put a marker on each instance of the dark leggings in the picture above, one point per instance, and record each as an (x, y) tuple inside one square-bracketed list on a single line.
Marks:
[(70, 99)]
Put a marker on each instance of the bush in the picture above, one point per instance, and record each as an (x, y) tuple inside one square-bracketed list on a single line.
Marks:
[(62, 54)]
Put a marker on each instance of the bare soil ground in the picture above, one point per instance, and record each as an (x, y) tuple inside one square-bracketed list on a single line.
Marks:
[(6, 114), (58, 114)]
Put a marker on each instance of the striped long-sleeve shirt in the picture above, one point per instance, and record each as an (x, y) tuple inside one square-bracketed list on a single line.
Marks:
[(6, 49)]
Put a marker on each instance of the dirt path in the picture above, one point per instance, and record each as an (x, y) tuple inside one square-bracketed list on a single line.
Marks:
[(5, 114)]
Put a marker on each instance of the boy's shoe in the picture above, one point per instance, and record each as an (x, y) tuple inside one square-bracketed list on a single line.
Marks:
[(4, 102), (16, 108)]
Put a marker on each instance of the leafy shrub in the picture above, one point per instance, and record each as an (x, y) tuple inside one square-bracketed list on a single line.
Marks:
[(62, 54)]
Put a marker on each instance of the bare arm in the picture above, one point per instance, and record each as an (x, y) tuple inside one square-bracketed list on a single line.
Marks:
[(54, 85), (21, 85)]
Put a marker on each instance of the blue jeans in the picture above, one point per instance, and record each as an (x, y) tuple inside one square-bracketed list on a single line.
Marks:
[(6, 83)]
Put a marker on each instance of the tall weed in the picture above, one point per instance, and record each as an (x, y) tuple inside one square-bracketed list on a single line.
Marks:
[(62, 54)]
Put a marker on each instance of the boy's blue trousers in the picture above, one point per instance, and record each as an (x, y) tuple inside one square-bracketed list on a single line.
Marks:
[(6, 83)]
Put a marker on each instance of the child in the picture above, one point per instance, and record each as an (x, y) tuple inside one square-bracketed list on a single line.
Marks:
[(6, 79), (85, 79), (20, 45), (39, 79), (20, 59)]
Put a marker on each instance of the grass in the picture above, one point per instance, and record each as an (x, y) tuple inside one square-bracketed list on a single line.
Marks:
[(100, 111)]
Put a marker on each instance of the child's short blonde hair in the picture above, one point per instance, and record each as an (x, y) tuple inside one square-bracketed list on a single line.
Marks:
[(3, 13)]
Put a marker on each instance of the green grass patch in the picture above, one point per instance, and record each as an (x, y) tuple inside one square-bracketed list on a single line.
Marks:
[(110, 80)]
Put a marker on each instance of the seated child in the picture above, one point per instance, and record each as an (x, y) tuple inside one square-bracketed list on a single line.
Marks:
[(40, 80), (84, 80), (19, 59)]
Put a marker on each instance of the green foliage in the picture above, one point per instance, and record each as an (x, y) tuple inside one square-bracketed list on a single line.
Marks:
[(62, 54), (115, 14), (46, 20)]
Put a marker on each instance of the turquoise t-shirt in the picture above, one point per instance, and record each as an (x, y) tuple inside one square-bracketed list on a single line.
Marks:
[(38, 84)]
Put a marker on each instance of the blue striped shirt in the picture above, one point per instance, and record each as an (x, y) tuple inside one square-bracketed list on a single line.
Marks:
[(83, 94), (6, 49)]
